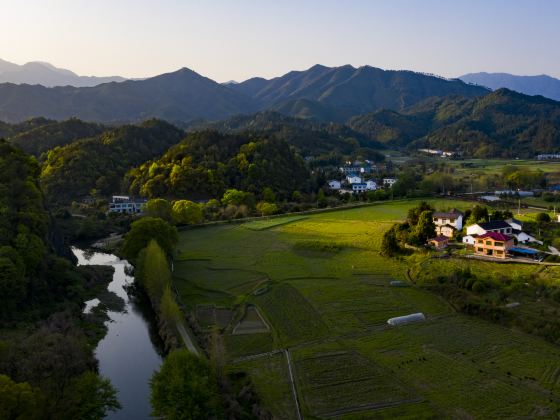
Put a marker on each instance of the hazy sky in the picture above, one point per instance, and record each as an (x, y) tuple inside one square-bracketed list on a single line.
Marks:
[(238, 39)]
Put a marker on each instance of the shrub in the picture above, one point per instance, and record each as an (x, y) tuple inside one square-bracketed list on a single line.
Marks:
[(143, 231)]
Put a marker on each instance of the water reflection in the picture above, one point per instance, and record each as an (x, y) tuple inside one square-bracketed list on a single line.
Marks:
[(131, 350)]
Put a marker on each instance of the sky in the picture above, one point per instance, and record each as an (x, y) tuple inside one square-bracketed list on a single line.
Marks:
[(239, 39)]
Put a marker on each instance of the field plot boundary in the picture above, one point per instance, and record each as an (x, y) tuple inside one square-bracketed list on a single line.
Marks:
[(367, 407), (266, 328)]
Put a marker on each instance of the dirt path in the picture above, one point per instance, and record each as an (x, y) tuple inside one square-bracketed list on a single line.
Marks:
[(187, 339)]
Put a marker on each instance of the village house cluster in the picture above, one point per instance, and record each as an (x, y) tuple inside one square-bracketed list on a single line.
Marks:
[(360, 177), (495, 239)]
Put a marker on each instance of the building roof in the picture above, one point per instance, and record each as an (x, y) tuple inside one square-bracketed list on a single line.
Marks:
[(513, 220), (496, 236), (495, 224), (449, 226), (453, 214), (440, 238)]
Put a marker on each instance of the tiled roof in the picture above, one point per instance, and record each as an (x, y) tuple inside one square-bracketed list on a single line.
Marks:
[(440, 238), (453, 214), (496, 236), (495, 224)]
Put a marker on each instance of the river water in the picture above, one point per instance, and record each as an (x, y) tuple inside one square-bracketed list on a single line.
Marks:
[(131, 350)]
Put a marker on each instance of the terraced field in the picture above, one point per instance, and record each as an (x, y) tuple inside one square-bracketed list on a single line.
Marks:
[(328, 301)]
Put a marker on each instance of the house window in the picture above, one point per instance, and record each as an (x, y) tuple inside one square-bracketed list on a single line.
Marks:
[(489, 243), (499, 252), (480, 249), (480, 241), (499, 244)]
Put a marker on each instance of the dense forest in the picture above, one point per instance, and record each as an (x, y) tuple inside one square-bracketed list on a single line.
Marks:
[(501, 124), (97, 165), (47, 367), (205, 164)]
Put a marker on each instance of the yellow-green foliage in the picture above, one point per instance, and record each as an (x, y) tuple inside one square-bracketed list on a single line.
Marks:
[(168, 307), (154, 272)]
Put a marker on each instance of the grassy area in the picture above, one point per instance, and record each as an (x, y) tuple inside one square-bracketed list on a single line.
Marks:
[(328, 300)]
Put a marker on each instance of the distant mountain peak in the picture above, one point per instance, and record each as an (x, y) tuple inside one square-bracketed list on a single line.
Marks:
[(543, 84), (48, 75)]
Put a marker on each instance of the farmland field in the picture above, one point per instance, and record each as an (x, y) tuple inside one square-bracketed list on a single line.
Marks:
[(324, 291)]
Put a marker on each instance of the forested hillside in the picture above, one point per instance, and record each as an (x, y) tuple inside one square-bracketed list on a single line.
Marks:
[(205, 164), (500, 124), (44, 137), (309, 137), (97, 165), (47, 367)]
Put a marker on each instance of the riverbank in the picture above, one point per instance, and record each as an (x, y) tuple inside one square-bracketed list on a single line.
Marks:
[(130, 350)]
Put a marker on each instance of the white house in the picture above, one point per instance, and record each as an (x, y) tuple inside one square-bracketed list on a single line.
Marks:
[(359, 187), (558, 217), (469, 239), (447, 223), (371, 185), (524, 238), (354, 179), (122, 204), (495, 226), (515, 224), (334, 184), (389, 182)]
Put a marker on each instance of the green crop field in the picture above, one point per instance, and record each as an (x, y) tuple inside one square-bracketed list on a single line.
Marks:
[(324, 290)]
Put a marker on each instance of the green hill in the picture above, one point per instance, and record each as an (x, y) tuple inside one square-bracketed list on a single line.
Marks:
[(207, 163), (99, 163)]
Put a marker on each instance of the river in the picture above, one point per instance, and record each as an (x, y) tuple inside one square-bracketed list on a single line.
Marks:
[(131, 350)]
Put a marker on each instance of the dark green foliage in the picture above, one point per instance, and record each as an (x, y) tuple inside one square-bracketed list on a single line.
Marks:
[(414, 213), (184, 388), (500, 124), (326, 143), (56, 360), (542, 217), (425, 228), (47, 136), (146, 229), (205, 164), (73, 171), (390, 244), (159, 207), (19, 400)]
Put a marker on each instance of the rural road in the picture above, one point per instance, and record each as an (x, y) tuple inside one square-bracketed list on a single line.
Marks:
[(187, 339)]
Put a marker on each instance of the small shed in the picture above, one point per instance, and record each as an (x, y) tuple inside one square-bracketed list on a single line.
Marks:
[(439, 242), (406, 319)]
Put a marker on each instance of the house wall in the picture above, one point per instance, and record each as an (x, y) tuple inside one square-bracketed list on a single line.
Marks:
[(484, 245)]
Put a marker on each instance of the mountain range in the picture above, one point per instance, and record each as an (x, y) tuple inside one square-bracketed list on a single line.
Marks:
[(543, 85), (329, 94), (45, 74)]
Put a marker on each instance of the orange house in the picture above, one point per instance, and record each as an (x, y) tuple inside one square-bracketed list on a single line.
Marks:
[(493, 244)]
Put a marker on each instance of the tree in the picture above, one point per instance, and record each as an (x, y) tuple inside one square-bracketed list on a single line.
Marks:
[(267, 209), (169, 309), (19, 400), (268, 195), (145, 229), (159, 207), (186, 212), (389, 244), (425, 229), (415, 212), (542, 218), (184, 388), (89, 397), (234, 197), (153, 270), (478, 214), (321, 199)]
